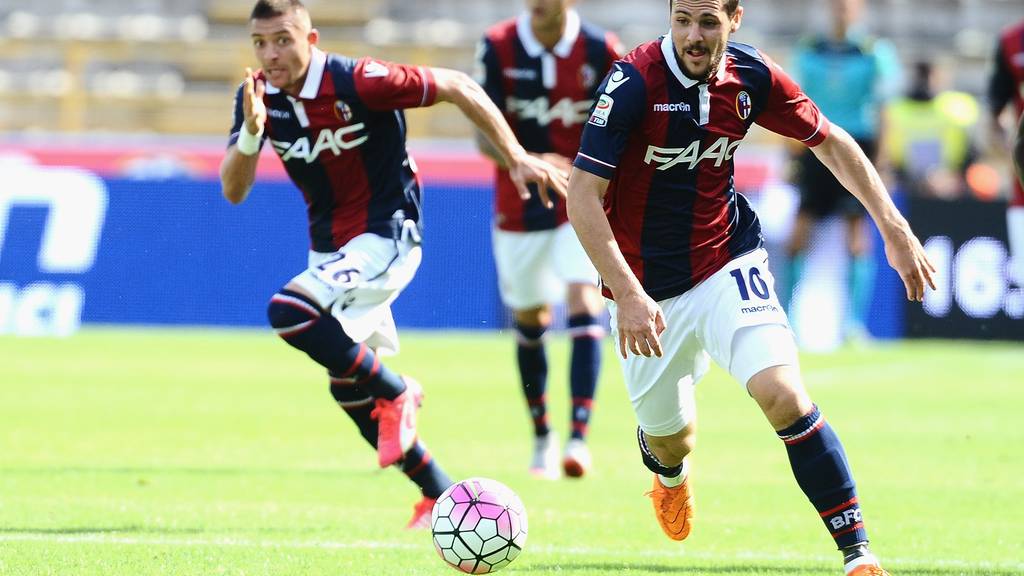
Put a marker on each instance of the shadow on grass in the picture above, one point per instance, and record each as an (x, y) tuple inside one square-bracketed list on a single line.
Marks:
[(623, 567)]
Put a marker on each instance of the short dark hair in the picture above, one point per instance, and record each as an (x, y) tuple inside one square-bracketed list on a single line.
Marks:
[(728, 5), (266, 9)]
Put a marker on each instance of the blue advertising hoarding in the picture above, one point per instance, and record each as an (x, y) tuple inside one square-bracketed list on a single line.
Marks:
[(77, 248)]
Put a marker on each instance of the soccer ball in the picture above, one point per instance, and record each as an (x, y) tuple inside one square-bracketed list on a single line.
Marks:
[(479, 525)]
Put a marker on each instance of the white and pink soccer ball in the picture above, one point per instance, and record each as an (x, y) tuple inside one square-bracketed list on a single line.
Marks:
[(479, 525)]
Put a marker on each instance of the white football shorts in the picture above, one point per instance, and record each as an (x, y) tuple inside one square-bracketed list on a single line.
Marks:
[(359, 282), (733, 317), (535, 268)]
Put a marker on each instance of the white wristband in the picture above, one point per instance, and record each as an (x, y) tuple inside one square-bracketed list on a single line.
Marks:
[(248, 143)]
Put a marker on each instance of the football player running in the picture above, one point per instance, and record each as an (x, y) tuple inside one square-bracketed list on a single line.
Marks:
[(337, 125), (681, 259)]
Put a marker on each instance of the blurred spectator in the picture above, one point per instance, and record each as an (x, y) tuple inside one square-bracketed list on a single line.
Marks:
[(850, 75), (929, 136), (1005, 84)]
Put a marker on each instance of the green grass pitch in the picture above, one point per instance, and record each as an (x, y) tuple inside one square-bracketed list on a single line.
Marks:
[(137, 452)]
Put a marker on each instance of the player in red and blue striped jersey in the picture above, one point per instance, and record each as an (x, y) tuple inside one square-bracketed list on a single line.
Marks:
[(1006, 87), (338, 127), (679, 251), (542, 70)]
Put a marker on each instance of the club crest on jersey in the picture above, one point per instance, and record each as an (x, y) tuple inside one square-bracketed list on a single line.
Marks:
[(588, 76), (343, 111), (602, 110), (743, 105)]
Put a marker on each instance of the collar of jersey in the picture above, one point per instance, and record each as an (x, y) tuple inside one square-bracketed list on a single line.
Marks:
[(317, 63), (533, 46), (668, 49)]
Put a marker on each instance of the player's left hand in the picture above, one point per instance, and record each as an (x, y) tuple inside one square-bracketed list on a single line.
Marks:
[(908, 258), (526, 169)]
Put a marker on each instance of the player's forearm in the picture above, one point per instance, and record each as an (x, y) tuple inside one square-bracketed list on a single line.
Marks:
[(841, 154), (588, 219), (487, 149), (237, 174), (459, 89)]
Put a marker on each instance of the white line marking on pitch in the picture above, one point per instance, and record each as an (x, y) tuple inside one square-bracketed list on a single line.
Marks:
[(101, 538)]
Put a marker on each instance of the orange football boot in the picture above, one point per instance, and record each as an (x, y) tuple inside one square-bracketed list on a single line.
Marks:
[(674, 508), (868, 570), (421, 514)]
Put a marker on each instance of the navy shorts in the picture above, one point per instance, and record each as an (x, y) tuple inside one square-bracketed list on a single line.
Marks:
[(821, 195)]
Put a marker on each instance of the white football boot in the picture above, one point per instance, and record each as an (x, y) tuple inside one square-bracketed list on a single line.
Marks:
[(544, 463), (576, 461)]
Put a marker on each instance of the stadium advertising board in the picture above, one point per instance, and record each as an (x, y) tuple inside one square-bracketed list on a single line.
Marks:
[(976, 298), (77, 248)]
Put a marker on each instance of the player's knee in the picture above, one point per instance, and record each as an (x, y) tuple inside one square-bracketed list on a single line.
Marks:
[(533, 318), (780, 395), (291, 313)]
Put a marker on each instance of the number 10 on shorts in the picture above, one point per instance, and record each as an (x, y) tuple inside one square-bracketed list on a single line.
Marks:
[(752, 282)]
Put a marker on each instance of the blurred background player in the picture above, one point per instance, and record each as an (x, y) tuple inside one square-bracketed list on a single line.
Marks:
[(542, 70), (929, 140), (1006, 85), (336, 124), (1018, 151), (680, 253), (849, 75)]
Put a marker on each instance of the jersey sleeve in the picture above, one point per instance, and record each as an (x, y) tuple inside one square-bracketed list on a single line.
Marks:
[(618, 110), (487, 72), (383, 85), (239, 118), (789, 111), (1001, 84)]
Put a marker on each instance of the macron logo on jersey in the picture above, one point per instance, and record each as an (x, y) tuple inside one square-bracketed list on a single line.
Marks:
[(674, 107), (618, 78), (720, 151), (333, 140), (375, 69)]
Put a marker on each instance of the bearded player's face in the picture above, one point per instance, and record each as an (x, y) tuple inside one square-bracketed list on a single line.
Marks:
[(700, 33)]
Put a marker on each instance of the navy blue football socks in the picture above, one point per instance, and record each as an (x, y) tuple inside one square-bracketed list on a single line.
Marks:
[(301, 323), (417, 463), (421, 468), (823, 473), (586, 333), (533, 374), (358, 404)]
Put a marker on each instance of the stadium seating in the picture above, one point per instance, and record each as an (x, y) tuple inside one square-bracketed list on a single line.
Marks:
[(169, 66)]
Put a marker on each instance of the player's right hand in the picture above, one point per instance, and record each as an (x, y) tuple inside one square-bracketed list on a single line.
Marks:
[(253, 108), (640, 323), (908, 258), (526, 169)]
